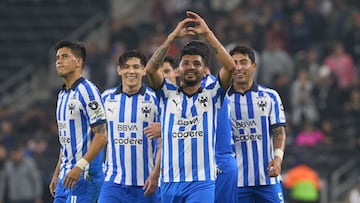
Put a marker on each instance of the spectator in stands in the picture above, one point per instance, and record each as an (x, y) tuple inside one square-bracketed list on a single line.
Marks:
[(354, 195), (299, 37), (302, 102), (341, 64), (3, 156), (329, 98), (274, 60), (304, 184), (22, 177), (310, 136)]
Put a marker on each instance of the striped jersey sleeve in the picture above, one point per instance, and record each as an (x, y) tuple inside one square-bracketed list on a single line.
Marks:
[(252, 116), (188, 129), (78, 110), (130, 154)]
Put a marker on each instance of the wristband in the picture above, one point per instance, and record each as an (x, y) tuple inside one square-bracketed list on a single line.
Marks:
[(82, 163), (279, 153)]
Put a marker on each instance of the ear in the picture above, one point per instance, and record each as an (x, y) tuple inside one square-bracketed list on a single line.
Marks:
[(118, 70), (79, 62)]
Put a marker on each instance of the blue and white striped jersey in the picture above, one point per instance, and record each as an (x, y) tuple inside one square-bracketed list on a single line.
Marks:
[(130, 154), (78, 110), (224, 146), (253, 115), (188, 128)]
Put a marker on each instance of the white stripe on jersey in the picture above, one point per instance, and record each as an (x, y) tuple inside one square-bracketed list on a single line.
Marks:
[(252, 115), (130, 154), (78, 109), (188, 129)]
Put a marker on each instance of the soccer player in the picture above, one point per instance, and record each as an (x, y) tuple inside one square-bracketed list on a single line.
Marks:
[(81, 120), (188, 114), (169, 69), (132, 160), (258, 123)]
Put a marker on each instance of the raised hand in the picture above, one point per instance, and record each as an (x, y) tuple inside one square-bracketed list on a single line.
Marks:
[(200, 28)]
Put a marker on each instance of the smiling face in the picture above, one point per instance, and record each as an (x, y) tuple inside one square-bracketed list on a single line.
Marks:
[(67, 64), (244, 70), (131, 73), (192, 70)]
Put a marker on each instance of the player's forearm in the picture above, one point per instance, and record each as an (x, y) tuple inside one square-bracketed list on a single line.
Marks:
[(156, 170), (279, 141), (224, 58), (98, 143), (57, 168), (156, 77)]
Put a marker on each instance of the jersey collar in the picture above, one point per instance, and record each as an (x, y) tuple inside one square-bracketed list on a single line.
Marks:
[(75, 84), (254, 87), (141, 90)]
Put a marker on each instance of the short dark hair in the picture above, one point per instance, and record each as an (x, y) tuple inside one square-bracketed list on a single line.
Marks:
[(196, 47), (77, 48), (245, 50), (171, 61), (132, 54)]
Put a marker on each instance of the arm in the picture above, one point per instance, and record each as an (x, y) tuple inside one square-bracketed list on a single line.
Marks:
[(222, 55), (152, 181), (54, 180), (156, 77), (153, 131), (274, 166), (98, 143)]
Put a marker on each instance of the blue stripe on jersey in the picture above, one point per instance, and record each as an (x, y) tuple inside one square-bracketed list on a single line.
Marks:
[(181, 160), (89, 91), (250, 105), (122, 108), (206, 145), (134, 108), (256, 162), (237, 107), (171, 166), (194, 158), (145, 156), (245, 162), (73, 140), (84, 132), (65, 105), (133, 161), (122, 162), (113, 157), (265, 144), (184, 105), (276, 105)]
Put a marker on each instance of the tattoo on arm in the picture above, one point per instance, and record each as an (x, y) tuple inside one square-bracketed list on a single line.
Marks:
[(278, 130), (158, 57), (100, 128)]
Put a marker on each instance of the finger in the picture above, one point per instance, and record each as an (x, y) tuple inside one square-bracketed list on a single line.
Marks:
[(191, 14)]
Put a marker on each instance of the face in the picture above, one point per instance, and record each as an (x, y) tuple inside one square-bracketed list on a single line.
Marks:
[(131, 73), (192, 70), (169, 72), (244, 69), (66, 63)]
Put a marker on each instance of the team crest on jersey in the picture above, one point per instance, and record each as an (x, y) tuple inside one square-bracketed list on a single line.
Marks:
[(146, 111), (93, 105), (262, 104), (71, 107), (203, 100)]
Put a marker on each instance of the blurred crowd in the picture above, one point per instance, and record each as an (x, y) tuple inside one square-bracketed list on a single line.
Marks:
[(308, 50)]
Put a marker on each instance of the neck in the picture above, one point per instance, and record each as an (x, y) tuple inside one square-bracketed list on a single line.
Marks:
[(242, 87), (70, 80), (190, 89), (131, 90)]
